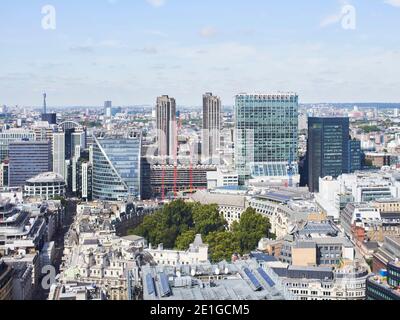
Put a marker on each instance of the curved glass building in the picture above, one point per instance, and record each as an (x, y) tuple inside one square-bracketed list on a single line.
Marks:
[(116, 167)]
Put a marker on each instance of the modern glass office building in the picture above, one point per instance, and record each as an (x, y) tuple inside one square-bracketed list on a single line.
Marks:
[(266, 135), (355, 155), (13, 135), (28, 159), (116, 167), (330, 151)]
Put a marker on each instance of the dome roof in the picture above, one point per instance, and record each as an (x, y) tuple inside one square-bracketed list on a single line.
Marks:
[(47, 177)]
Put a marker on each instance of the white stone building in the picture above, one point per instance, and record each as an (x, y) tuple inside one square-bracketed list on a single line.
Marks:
[(196, 254), (231, 206)]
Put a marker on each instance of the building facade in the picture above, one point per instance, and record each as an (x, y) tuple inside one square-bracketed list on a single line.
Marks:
[(4, 168), (6, 281), (28, 159), (212, 127), (45, 186), (322, 283), (386, 285), (355, 156), (116, 167), (330, 152), (166, 126), (108, 108), (166, 181), (51, 118), (12, 135), (59, 154), (231, 206), (266, 136)]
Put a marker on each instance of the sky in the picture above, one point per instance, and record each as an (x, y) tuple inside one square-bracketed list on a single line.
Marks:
[(131, 51)]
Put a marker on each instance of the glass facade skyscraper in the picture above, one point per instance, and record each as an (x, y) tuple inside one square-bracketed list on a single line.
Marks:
[(28, 159), (355, 155), (13, 135), (116, 167), (266, 134), (330, 151)]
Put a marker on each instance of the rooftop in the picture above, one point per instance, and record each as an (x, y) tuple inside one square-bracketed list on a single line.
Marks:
[(205, 197), (47, 177), (269, 95), (239, 281)]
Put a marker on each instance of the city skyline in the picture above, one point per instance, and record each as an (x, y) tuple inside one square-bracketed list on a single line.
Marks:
[(143, 49), (199, 155)]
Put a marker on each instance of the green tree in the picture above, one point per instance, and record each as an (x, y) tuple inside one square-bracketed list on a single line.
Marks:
[(222, 245), (167, 224), (250, 229), (185, 239), (370, 128), (207, 219)]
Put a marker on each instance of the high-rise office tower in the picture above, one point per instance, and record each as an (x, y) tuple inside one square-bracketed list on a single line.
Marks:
[(108, 109), (330, 151), (355, 156), (166, 126), (266, 135), (59, 154), (212, 127), (69, 149), (44, 103), (43, 131), (51, 118), (13, 135), (28, 159), (78, 140), (75, 134), (86, 181), (116, 167)]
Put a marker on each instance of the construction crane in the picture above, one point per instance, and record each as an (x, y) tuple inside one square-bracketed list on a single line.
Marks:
[(163, 182), (178, 129)]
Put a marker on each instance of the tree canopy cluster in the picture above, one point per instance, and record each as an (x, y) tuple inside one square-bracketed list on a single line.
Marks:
[(176, 226), (370, 128)]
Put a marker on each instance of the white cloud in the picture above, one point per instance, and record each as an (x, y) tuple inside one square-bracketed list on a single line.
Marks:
[(156, 3), (208, 32), (394, 3), (336, 17)]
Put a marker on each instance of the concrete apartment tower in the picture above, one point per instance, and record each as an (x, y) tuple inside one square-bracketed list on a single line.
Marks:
[(166, 126), (211, 128), (59, 154)]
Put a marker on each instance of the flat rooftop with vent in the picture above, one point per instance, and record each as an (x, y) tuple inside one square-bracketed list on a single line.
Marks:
[(243, 280)]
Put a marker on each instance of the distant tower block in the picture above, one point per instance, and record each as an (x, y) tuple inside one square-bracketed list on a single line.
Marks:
[(51, 118), (44, 103)]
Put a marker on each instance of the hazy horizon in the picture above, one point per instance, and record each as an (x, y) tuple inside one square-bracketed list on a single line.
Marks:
[(125, 51)]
